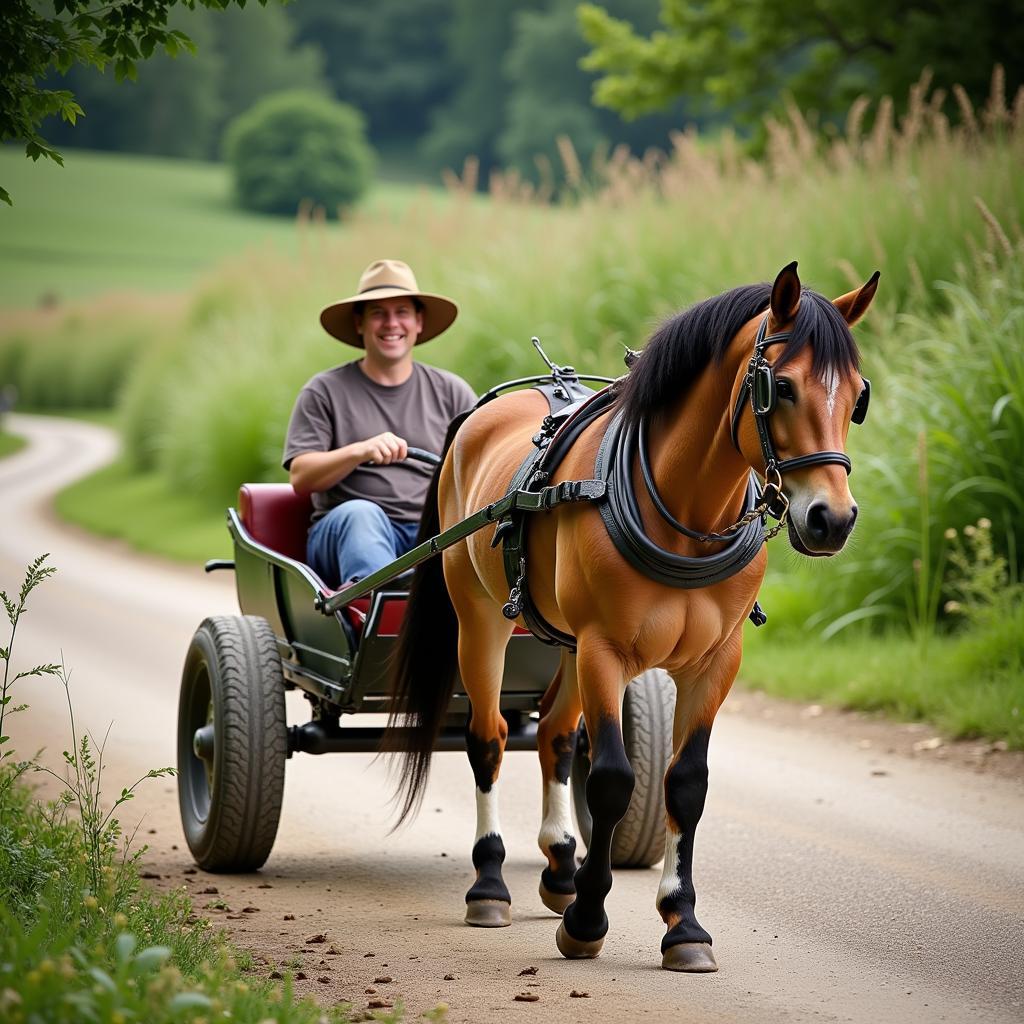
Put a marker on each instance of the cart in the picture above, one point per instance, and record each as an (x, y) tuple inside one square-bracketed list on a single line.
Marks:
[(294, 633)]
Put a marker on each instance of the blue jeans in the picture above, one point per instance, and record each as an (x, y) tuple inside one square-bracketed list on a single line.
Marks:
[(354, 540)]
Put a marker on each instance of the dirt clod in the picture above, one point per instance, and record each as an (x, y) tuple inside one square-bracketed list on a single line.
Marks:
[(250, 910), (190, 871), (289, 917), (380, 1004), (579, 995), (210, 890), (318, 937), (384, 979), (264, 885), (526, 997), (276, 975), (449, 977), (527, 971), (323, 979)]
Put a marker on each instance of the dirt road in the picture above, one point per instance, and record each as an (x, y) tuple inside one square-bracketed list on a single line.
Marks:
[(841, 881)]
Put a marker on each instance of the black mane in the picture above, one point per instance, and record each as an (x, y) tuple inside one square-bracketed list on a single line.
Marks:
[(683, 346)]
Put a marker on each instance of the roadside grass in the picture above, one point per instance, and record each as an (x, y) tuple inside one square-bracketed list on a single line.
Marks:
[(143, 511), (113, 222), (957, 684), (10, 443), (81, 938)]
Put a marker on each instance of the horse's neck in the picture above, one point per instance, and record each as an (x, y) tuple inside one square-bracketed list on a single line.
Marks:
[(701, 477)]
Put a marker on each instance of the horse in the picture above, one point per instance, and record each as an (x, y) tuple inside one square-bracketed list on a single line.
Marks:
[(708, 408)]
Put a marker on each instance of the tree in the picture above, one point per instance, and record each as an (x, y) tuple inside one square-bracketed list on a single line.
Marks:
[(746, 52), (294, 146), (79, 32)]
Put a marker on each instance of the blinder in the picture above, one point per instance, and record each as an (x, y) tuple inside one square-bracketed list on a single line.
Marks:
[(765, 390), (860, 410)]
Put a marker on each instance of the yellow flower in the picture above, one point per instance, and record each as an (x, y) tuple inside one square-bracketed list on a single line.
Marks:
[(121, 920), (33, 977), (91, 903)]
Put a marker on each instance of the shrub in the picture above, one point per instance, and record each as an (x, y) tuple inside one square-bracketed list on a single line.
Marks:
[(294, 147)]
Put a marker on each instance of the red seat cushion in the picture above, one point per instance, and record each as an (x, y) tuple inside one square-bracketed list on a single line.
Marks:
[(276, 516)]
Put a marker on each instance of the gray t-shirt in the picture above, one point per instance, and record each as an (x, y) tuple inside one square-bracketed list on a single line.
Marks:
[(340, 406)]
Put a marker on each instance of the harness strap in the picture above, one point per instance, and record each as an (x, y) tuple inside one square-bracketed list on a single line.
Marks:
[(621, 515)]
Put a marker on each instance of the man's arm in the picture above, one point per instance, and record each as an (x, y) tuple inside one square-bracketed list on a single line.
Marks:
[(320, 471)]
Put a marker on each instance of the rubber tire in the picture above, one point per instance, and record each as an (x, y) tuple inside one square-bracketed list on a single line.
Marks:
[(233, 670), (647, 713)]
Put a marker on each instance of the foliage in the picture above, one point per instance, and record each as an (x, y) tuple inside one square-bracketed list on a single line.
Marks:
[(746, 54), (180, 107), (78, 32), (36, 573), (80, 939), (298, 146), (392, 67)]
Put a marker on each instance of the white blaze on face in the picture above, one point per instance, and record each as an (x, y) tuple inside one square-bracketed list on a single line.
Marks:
[(487, 823), (670, 880), (830, 382), (557, 824)]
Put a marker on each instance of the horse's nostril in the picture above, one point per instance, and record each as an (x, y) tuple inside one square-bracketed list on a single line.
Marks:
[(817, 520), (853, 515)]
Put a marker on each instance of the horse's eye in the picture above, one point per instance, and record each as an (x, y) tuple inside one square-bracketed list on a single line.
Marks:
[(784, 389)]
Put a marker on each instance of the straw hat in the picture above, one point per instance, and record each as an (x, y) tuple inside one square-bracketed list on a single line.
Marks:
[(387, 279)]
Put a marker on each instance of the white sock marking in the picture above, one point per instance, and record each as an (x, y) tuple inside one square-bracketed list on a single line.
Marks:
[(557, 824), (670, 880), (487, 823)]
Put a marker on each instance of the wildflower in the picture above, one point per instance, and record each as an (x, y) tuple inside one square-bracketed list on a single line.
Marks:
[(950, 533), (33, 977), (47, 967), (951, 607), (121, 920), (91, 903), (984, 524), (969, 531)]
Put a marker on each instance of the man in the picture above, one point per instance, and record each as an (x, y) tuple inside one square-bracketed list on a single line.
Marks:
[(352, 426)]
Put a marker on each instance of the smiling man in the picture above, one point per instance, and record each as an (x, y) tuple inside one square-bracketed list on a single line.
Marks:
[(352, 426)]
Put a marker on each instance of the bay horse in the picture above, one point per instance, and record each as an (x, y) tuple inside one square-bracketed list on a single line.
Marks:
[(686, 397)]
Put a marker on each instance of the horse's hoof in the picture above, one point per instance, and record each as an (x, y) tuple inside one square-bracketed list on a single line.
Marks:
[(488, 914), (575, 949), (691, 957), (555, 901)]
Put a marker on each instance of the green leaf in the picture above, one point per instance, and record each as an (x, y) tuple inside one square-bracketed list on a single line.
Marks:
[(124, 946), (189, 1001), (151, 959)]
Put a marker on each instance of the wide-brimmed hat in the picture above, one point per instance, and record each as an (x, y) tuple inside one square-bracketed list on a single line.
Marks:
[(388, 279)]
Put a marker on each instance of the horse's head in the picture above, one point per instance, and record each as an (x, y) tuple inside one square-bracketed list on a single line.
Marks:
[(803, 389)]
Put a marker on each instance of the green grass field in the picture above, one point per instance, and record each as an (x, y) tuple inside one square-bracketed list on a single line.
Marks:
[(10, 443), (111, 222)]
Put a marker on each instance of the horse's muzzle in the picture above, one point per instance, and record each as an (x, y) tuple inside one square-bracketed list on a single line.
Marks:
[(821, 529)]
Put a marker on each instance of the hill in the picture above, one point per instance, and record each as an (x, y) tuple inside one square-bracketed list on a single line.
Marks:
[(112, 222)]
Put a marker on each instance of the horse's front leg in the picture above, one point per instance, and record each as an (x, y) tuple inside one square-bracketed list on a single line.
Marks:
[(483, 635), (556, 743), (686, 946), (602, 680)]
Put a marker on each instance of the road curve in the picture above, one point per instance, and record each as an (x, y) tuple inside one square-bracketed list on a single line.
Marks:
[(840, 883)]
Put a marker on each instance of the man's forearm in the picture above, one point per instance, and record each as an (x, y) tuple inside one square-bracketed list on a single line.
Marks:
[(320, 471)]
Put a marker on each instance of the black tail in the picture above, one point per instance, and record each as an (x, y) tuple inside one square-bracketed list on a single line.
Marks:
[(426, 658)]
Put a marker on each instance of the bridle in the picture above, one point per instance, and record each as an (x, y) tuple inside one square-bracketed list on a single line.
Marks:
[(761, 388)]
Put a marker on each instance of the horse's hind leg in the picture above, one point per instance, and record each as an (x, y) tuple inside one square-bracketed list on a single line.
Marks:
[(556, 743), (602, 680), (686, 946), (483, 636)]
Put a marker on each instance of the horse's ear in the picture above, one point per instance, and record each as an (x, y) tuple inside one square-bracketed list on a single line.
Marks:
[(853, 305), (785, 295)]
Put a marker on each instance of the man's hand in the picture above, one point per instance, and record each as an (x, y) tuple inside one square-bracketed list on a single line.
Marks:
[(320, 471), (384, 449)]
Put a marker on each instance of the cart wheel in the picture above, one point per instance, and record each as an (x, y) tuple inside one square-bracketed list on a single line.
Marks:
[(647, 713), (232, 743)]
